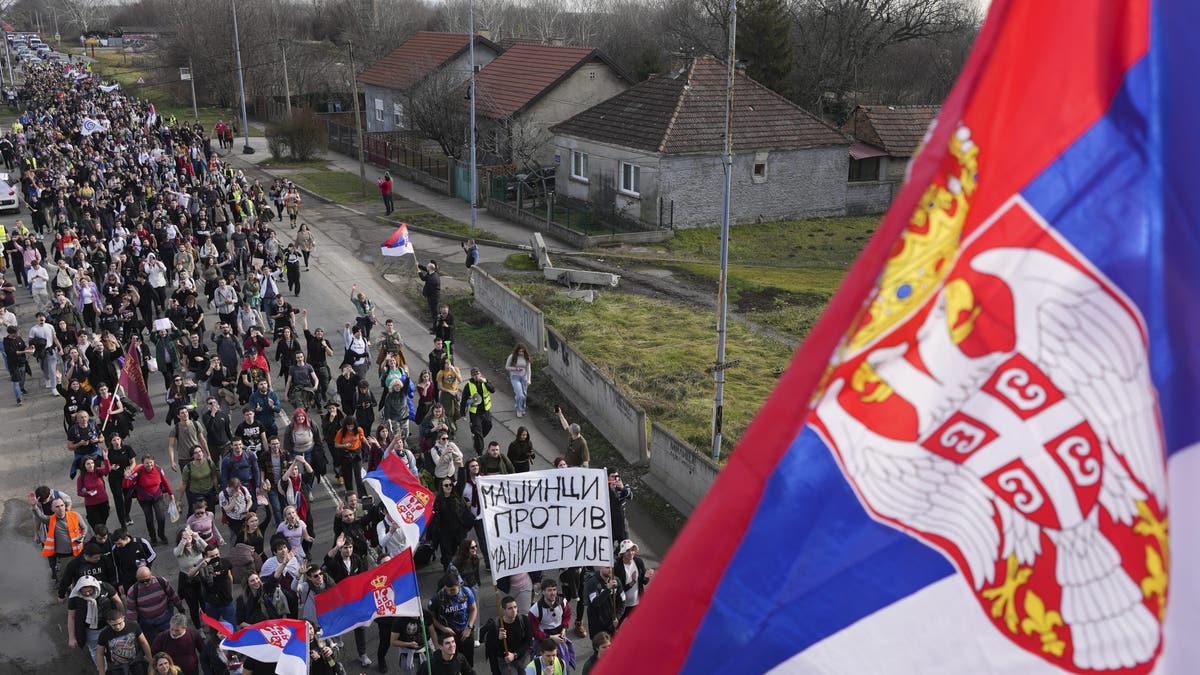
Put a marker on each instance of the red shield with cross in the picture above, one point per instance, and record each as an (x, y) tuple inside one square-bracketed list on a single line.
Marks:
[(996, 403), (276, 636)]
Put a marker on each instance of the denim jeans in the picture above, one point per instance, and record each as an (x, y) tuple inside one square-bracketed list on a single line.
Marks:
[(520, 390), (226, 613)]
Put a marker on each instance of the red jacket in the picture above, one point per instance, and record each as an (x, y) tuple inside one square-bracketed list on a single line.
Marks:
[(148, 484), (385, 186), (91, 486)]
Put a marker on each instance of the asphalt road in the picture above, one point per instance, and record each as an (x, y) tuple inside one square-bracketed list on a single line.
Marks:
[(32, 622)]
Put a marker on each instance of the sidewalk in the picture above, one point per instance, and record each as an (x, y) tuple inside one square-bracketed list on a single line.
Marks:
[(451, 207)]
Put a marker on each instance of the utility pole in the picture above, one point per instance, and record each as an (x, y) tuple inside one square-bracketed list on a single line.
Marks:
[(192, 81), (723, 287), (471, 43), (287, 89), (362, 165), (237, 46)]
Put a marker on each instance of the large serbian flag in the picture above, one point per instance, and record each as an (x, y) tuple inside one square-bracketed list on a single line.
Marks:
[(283, 642), (408, 503), (387, 590), (965, 469), (398, 244)]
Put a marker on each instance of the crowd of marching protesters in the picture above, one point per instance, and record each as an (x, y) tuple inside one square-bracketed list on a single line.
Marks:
[(146, 253)]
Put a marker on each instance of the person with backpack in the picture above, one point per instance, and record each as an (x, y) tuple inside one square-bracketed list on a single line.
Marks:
[(549, 618), (548, 661), (151, 601), (129, 554), (153, 492), (455, 612), (508, 643)]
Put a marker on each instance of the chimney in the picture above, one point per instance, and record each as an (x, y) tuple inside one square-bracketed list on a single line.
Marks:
[(558, 41), (485, 34)]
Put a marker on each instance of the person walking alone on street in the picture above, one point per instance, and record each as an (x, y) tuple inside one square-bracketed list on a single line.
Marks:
[(385, 191), (520, 372)]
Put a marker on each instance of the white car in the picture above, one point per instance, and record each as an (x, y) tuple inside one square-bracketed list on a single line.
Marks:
[(9, 201)]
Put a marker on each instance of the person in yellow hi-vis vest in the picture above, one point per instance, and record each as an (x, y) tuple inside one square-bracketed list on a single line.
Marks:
[(477, 401)]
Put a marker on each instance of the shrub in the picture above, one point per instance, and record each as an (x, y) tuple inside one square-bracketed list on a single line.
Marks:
[(301, 136)]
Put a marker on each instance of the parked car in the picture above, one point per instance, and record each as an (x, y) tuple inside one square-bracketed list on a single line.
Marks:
[(8, 195), (536, 183)]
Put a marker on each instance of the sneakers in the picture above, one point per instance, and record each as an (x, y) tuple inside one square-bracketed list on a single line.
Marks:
[(364, 660), (580, 630)]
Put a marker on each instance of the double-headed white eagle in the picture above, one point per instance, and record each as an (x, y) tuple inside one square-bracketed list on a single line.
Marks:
[(1091, 348)]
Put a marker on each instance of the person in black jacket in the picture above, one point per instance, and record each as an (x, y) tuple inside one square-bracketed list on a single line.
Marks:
[(508, 643), (432, 289), (451, 520), (340, 562)]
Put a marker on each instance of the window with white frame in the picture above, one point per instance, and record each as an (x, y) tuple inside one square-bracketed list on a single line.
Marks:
[(398, 114), (378, 110), (631, 179), (579, 166)]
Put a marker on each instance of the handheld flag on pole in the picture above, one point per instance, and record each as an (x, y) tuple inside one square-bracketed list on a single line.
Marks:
[(964, 469), (389, 589), (398, 244), (133, 383), (407, 501), (283, 642), (90, 126)]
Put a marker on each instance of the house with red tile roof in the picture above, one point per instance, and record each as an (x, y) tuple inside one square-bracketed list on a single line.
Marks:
[(657, 149), (389, 83), (885, 139), (531, 87)]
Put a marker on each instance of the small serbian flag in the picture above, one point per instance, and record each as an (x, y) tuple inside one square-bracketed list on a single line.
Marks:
[(408, 502), (398, 243), (387, 590), (283, 642)]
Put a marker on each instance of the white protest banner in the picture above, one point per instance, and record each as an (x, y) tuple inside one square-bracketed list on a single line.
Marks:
[(542, 520)]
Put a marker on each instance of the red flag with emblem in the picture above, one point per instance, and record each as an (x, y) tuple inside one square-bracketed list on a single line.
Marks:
[(132, 382)]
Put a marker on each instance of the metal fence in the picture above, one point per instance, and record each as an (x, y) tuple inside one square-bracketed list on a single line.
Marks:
[(573, 214), (387, 149)]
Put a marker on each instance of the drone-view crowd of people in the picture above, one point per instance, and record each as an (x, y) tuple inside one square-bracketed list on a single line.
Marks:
[(144, 242)]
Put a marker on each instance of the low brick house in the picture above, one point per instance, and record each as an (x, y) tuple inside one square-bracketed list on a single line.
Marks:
[(885, 139), (654, 152)]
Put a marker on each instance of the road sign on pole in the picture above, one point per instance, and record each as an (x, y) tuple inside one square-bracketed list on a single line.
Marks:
[(185, 73)]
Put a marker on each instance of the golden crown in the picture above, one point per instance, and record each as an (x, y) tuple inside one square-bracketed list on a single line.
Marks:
[(928, 247), (379, 582)]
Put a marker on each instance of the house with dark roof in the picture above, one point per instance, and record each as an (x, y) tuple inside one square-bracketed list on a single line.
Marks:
[(885, 139), (531, 87), (657, 149), (389, 83)]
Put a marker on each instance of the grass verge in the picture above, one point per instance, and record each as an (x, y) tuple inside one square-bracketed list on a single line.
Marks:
[(419, 216), (821, 242), (657, 352), (339, 186), (521, 262), (286, 163), (490, 343)]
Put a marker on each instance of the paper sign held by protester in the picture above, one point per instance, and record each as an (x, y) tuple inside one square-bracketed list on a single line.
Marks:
[(546, 519)]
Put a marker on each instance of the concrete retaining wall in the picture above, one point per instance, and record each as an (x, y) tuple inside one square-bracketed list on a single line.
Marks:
[(678, 473), (599, 399), (510, 309)]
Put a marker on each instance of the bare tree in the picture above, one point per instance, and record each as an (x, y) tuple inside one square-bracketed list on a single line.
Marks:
[(437, 108), (696, 26), (83, 14), (838, 41), (514, 140)]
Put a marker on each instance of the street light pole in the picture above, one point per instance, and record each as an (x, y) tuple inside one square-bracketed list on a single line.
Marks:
[(192, 81), (287, 89), (723, 287), (471, 43), (362, 165), (246, 149)]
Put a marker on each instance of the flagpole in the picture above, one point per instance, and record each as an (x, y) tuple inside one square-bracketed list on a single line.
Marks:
[(116, 395), (425, 640)]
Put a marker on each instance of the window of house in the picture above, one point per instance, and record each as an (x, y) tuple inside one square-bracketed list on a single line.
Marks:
[(862, 170), (631, 179), (579, 166), (398, 114), (378, 110)]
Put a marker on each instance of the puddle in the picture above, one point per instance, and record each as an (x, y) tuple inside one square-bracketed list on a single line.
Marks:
[(32, 622)]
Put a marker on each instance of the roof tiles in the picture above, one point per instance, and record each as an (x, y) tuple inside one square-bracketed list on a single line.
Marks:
[(416, 59), (525, 73), (685, 113), (896, 129)]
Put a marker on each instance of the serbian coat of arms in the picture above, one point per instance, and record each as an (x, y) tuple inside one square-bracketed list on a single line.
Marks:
[(994, 400)]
